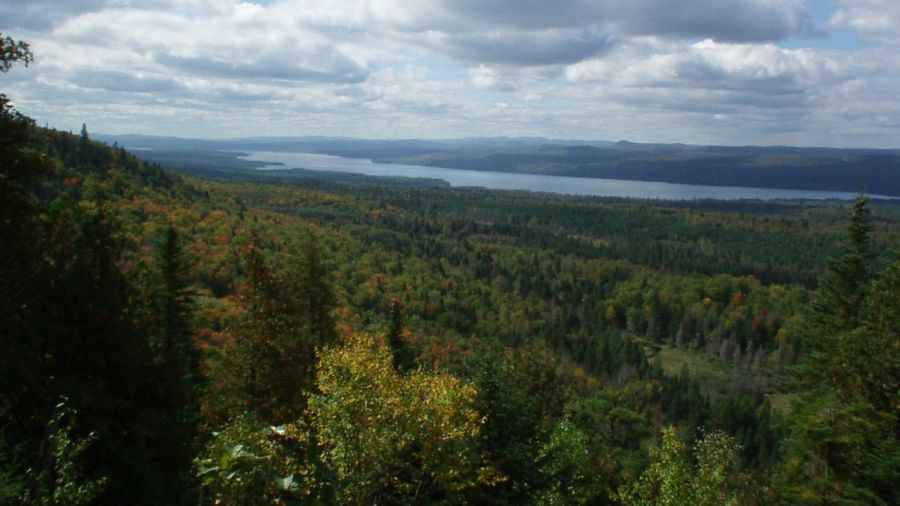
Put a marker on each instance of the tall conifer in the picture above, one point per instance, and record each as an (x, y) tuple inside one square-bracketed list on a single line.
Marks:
[(844, 289)]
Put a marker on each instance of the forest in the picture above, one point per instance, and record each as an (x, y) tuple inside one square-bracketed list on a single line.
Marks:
[(178, 339), (782, 167)]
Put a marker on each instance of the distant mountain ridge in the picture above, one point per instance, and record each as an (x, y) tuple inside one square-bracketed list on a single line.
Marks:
[(818, 168)]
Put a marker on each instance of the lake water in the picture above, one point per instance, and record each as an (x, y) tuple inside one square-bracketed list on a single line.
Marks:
[(535, 182)]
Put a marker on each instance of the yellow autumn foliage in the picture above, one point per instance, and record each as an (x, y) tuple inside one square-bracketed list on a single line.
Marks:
[(385, 434)]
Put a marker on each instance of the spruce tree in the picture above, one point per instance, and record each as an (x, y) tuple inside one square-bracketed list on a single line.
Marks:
[(176, 362), (319, 301), (173, 304), (843, 445), (268, 365), (843, 291), (402, 356)]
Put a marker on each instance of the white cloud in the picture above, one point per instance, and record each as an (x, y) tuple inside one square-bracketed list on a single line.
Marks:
[(483, 77), (875, 20), (752, 68), (694, 71)]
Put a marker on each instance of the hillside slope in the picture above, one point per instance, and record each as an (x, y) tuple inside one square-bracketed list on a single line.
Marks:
[(530, 313), (825, 169)]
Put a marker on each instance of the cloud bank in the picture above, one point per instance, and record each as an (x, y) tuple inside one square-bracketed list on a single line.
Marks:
[(701, 71)]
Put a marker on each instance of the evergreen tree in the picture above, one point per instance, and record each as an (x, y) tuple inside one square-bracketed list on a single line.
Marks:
[(176, 362), (843, 291), (173, 306), (843, 441), (319, 301), (74, 328), (20, 227), (402, 355), (269, 362), (511, 427)]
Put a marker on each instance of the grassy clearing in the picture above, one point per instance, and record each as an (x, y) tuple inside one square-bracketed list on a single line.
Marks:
[(716, 379), (781, 403)]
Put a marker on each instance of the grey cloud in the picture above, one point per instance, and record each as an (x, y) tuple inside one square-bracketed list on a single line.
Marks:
[(329, 66), (546, 47), (700, 74), (357, 93), (724, 20), (721, 94), (697, 71), (525, 14), (43, 14), (710, 102), (243, 96), (786, 102), (738, 100), (60, 95), (436, 109), (176, 66), (120, 81)]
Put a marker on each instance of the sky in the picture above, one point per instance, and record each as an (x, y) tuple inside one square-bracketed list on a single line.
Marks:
[(731, 72)]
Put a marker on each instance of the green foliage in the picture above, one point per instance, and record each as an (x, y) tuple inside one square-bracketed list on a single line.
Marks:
[(75, 326), (673, 479), (267, 365), (173, 305), (402, 355), (842, 446), (60, 480), (248, 463), (750, 421), (517, 330), (12, 51), (12, 480), (567, 469), (317, 298), (616, 426), (668, 479), (511, 424), (873, 352), (389, 437), (560, 405), (839, 453), (844, 290), (176, 376)]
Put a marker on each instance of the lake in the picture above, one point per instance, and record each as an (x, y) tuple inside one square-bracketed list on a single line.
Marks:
[(535, 182)]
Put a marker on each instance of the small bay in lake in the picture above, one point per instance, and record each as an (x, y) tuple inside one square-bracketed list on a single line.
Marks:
[(276, 160)]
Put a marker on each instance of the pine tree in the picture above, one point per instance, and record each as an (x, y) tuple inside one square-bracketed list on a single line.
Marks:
[(175, 359), (402, 356), (318, 297), (843, 445), (73, 328), (511, 425), (269, 363), (173, 304), (843, 292)]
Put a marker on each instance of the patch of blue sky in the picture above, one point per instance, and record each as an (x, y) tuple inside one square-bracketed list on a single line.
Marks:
[(439, 69), (843, 39)]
